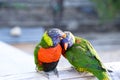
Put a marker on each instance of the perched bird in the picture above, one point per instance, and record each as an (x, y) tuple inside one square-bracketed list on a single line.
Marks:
[(48, 51), (80, 53)]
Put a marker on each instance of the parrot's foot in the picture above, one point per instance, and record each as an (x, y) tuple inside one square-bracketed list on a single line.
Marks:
[(42, 72), (37, 69), (53, 75), (73, 68), (79, 69), (109, 70), (87, 74), (56, 72)]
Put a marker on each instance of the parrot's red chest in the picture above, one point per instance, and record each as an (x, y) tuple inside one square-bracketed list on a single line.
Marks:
[(50, 54)]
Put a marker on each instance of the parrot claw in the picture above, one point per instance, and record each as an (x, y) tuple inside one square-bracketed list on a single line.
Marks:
[(52, 74), (47, 75), (56, 72), (109, 70), (44, 73), (36, 69), (74, 68)]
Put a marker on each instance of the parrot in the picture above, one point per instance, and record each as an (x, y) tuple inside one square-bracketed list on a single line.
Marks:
[(48, 51), (82, 56)]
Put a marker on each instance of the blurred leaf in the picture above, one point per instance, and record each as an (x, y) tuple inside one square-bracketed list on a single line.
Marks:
[(107, 9)]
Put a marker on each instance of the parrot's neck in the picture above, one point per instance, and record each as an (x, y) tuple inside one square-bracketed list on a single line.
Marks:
[(46, 41), (44, 44)]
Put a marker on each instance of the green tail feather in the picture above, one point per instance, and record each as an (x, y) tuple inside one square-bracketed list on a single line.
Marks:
[(101, 75)]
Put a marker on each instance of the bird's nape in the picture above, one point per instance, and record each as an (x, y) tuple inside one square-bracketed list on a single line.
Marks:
[(55, 32), (56, 35)]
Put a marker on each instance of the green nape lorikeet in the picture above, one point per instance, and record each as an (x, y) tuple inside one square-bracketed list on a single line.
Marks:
[(48, 51), (80, 53)]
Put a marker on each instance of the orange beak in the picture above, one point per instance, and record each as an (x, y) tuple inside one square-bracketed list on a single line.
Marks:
[(65, 46), (64, 36)]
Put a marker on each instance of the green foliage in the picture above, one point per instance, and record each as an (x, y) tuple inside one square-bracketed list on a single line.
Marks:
[(107, 9)]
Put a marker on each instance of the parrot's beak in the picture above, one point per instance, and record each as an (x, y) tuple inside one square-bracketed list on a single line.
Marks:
[(65, 46), (63, 36)]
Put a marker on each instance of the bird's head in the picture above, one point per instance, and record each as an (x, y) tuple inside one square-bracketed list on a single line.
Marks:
[(52, 37), (68, 41)]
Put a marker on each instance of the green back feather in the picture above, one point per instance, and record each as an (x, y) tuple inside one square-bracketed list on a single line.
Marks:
[(83, 55)]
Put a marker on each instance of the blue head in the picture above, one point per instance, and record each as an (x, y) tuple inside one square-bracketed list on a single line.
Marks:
[(56, 35), (68, 41)]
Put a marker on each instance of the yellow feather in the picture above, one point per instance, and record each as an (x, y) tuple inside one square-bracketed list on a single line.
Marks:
[(82, 69), (47, 39)]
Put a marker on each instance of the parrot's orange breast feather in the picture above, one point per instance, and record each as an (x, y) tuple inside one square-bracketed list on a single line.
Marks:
[(50, 54)]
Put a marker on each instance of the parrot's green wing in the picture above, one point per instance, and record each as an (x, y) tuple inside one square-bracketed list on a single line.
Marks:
[(84, 54), (84, 58), (38, 66), (36, 53), (94, 54)]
